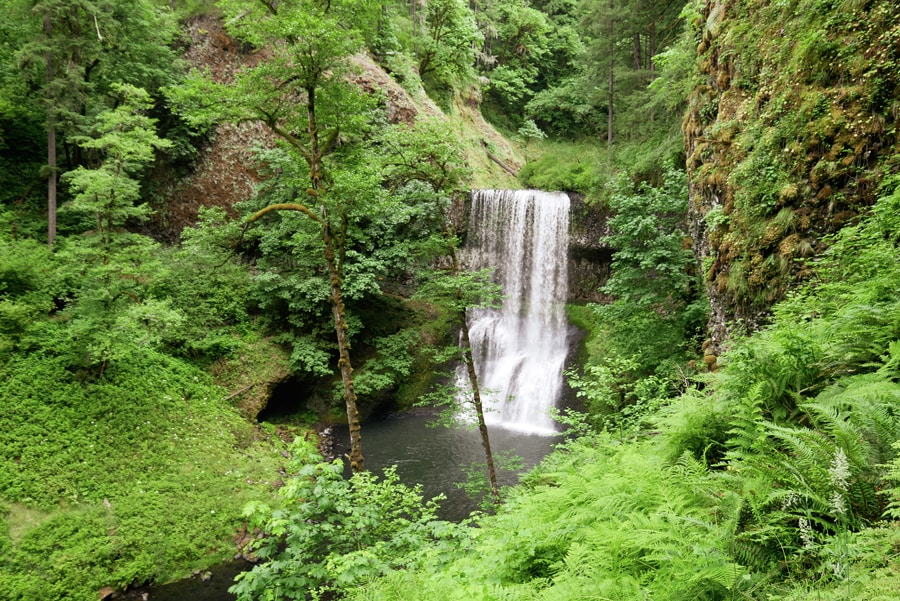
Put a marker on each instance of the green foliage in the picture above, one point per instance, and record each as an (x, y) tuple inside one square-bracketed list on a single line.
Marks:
[(650, 264), (656, 310), (601, 520), (643, 341), (93, 47), (569, 167), (136, 475), (206, 284), (447, 51), (331, 534), (125, 142), (23, 296), (520, 43)]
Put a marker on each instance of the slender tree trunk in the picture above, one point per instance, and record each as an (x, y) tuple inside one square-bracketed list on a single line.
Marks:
[(636, 51), (479, 407), (51, 145), (340, 327), (333, 260), (335, 275), (315, 159), (469, 360), (612, 78)]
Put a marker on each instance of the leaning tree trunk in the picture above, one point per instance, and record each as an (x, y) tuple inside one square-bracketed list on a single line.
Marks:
[(469, 360), (479, 407)]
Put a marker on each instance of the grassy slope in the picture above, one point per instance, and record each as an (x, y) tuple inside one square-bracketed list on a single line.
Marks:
[(138, 477)]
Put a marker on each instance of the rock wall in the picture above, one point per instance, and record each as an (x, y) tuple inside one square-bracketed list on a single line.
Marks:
[(791, 130), (589, 257)]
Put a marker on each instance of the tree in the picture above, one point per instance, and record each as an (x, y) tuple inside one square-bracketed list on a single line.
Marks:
[(447, 52), (621, 39), (517, 43), (125, 142), (77, 50), (657, 310), (300, 93)]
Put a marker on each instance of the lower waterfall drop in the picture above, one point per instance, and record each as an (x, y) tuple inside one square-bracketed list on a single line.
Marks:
[(520, 349)]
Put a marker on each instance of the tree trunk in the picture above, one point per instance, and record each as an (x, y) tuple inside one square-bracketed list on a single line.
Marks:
[(636, 51), (314, 159), (340, 328), (479, 407), (612, 78), (469, 360), (335, 276), (51, 146)]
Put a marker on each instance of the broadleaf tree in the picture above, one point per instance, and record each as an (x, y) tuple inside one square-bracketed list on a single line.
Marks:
[(300, 92)]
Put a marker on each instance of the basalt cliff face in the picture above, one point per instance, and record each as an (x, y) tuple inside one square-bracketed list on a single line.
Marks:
[(590, 256), (791, 133)]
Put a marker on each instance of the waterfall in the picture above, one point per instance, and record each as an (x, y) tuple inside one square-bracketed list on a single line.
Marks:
[(520, 349)]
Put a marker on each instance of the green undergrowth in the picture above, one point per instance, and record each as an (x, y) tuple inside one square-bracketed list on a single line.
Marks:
[(569, 167), (137, 477)]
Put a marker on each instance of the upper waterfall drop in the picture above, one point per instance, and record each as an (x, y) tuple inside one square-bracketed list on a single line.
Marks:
[(520, 349)]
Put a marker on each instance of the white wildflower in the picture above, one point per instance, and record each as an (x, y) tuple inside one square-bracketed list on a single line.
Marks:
[(789, 500), (840, 470), (806, 533), (838, 504), (838, 569)]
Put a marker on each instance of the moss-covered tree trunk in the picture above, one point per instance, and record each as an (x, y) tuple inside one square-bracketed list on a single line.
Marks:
[(335, 278), (333, 247)]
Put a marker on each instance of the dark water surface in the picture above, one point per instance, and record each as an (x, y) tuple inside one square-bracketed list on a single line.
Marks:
[(435, 456), (208, 585)]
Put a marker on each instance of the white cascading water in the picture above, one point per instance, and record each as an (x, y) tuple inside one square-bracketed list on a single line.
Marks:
[(520, 349)]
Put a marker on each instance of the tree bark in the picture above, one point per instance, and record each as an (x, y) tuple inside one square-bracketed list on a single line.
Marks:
[(612, 78), (51, 145), (479, 407), (469, 360), (636, 51), (340, 327)]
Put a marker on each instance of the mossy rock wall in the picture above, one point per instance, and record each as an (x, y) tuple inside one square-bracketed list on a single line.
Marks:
[(791, 133)]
